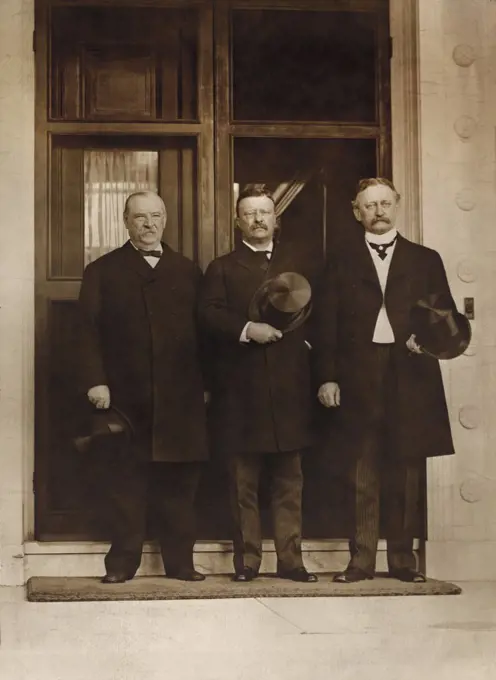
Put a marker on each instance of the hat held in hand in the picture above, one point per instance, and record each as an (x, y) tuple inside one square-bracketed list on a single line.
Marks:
[(283, 301), (441, 331), (101, 424)]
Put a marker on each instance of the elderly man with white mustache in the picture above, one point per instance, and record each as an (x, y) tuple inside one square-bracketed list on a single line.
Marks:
[(139, 353)]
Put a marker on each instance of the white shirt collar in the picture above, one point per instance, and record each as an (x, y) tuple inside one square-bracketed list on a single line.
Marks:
[(381, 238), (268, 248)]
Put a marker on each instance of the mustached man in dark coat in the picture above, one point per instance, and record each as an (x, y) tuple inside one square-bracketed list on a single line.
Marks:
[(140, 353), (390, 408), (261, 395)]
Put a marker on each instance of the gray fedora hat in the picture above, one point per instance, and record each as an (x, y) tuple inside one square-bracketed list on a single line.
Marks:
[(283, 301)]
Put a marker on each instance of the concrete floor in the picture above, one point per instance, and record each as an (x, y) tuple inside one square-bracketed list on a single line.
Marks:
[(402, 638)]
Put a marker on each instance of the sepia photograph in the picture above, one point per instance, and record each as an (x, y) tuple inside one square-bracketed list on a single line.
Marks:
[(247, 339)]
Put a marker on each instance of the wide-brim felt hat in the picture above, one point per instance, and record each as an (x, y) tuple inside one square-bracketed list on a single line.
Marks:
[(283, 301), (441, 331), (103, 424)]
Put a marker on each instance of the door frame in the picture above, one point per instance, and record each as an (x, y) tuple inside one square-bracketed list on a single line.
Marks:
[(403, 15)]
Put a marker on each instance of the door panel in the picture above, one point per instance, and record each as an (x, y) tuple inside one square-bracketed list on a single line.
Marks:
[(144, 97), (124, 63), (90, 180)]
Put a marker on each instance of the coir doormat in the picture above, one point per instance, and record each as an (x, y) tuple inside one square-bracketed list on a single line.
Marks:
[(78, 589)]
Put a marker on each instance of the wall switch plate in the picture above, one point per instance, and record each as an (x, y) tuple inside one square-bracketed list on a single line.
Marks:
[(469, 308)]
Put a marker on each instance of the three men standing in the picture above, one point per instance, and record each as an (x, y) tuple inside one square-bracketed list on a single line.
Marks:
[(140, 353)]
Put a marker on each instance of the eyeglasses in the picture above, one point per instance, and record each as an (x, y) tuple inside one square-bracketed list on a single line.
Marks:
[(255, 213), (385, 205)]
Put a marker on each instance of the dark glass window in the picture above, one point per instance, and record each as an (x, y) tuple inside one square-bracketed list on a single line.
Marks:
[(315, 66)]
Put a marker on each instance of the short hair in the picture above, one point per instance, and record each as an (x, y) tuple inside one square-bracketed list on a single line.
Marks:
[(373, 182), (141, 193), (253, 190)]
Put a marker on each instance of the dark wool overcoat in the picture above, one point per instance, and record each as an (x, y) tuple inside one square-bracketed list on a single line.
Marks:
[(261, 394), (139, 336), (344, 318)]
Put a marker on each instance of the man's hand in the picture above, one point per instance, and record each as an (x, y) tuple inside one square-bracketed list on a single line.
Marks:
[(206, 397), (99, 396), (412, 345), (329, 395), (262, 333)]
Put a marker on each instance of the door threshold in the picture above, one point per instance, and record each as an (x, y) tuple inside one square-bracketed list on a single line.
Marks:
[(85, 558)]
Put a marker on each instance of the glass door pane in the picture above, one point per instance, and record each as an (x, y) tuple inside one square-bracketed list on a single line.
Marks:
[(313, 181), (305, 66), (109, 177)]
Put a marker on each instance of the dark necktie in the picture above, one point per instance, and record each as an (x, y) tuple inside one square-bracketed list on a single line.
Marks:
[(262, 258), (150, 253), (382, 248)]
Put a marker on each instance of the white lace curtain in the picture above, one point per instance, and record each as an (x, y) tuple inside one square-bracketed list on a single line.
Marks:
[(109, 177)]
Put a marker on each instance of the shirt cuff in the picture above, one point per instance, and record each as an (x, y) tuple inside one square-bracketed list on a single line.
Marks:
[(242, 337)]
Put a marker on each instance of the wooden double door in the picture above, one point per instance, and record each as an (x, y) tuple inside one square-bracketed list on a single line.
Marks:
[(192, 99)]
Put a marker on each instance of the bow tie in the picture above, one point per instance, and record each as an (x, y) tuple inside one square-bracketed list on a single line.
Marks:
[(150, 253), (382, 248), (265, 253)]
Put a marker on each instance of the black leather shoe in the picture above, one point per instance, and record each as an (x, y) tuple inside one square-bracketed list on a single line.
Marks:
[(186, 575), (116, 577), (245, 575), (408, 575), (299, 574), (352, 575)]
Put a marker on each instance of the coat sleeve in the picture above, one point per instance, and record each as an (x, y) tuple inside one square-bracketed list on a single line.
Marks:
[(218, 318), (438, 281), (90, 356), (323, 327)]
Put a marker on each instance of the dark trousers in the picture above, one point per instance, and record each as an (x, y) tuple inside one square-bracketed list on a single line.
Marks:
[(378, 470), (165, 492), (286, 484)]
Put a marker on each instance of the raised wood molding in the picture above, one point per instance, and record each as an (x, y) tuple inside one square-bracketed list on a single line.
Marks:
[(307, 129), (312, 5), (174, 4), (405, 114)]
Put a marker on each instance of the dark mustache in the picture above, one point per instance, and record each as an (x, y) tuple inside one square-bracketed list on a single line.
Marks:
[(381, 219)]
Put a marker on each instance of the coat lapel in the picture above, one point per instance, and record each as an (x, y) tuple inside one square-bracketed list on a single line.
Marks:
[(165, 266), (399, 262), (363, 265), (132, 259), (250, 260), (135, 261)]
